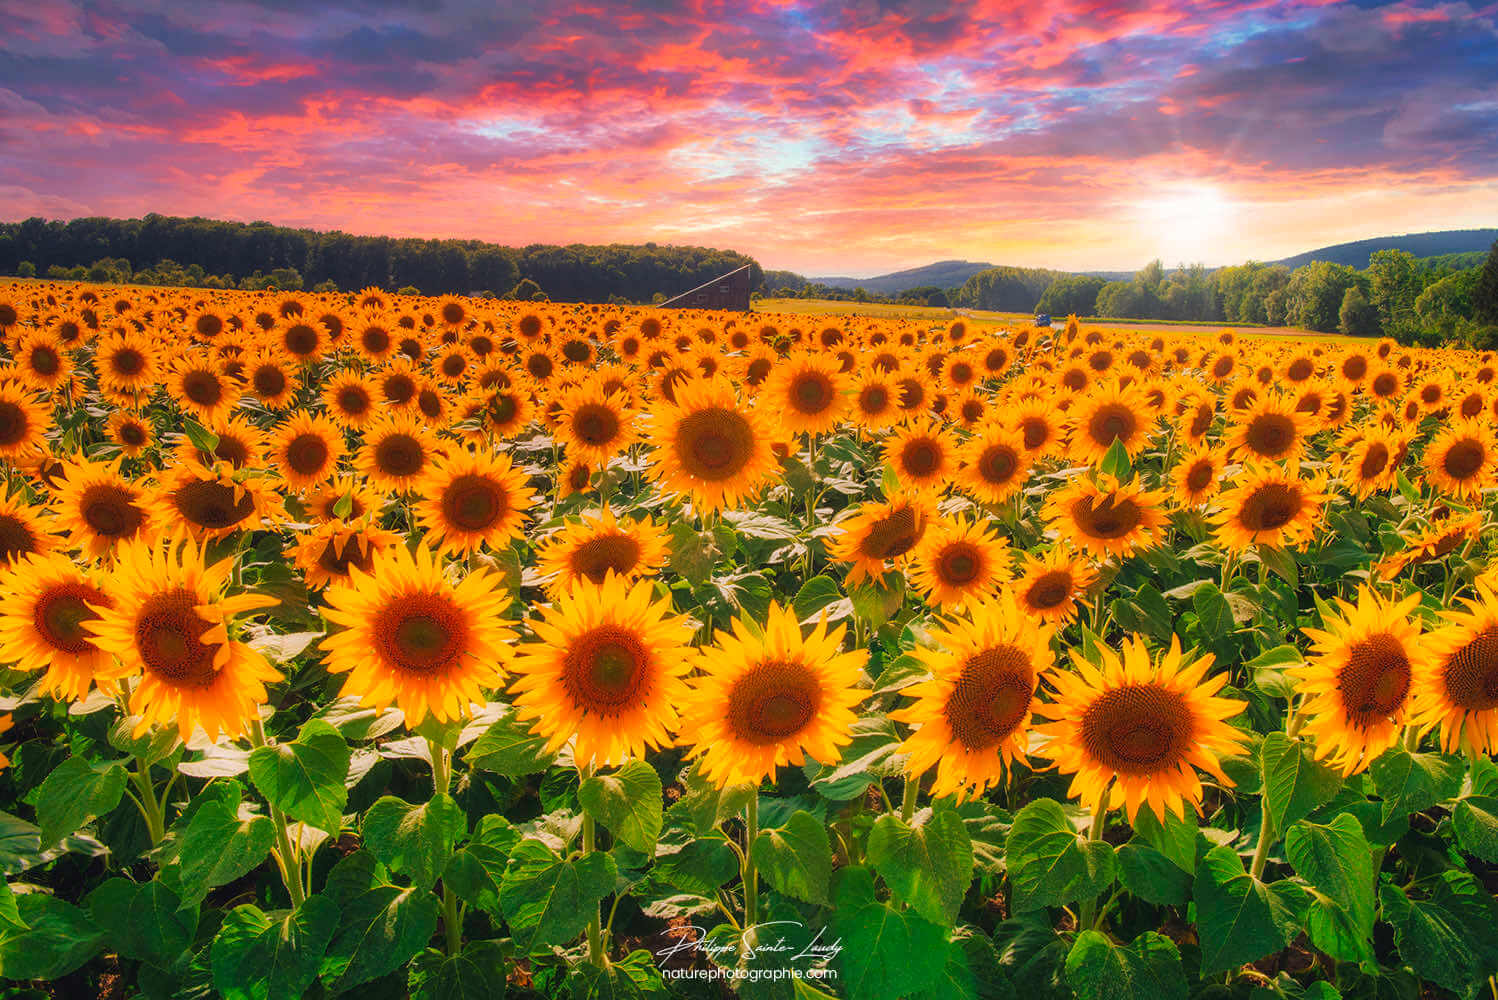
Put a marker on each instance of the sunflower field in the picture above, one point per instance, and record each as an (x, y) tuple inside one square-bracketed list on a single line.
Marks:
[(386, 646)]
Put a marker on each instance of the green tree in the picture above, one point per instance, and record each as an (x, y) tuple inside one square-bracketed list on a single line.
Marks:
[(525, 290), (1357, 316), (26, 269), (1393, 285), (1314, 295), (1485, 290), (1071, 294)]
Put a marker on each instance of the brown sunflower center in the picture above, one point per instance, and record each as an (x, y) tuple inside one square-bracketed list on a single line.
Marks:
[(576, 351), (606, 669), (269, 381), (1471, 673), (473, 502), (209, 325), (212, 504), (110, 511), (1137, 729), (991, 696), (1050, 590), (1355, 367), (45, 361), (354, 400), (1300, 369), (1430, 393), (16, 539), (132, 435), (453, 365), (998, 464), (1270, 506), (169, 640), (921, 457), (301, 339), (59, 614), (539, 365), (811, 393), (912, 393), (595, 557), (959, 564), (529, 325), (1222, 367), (714, 444), (375, 339), (772, 702), (308, 454), (421, 633), (202, 388), (892, 535), (1375, 680), (873, 400), (1385, 383), (1375, 460), (595, 424), (127, 361), (578, 477), (399, 455), (1463, 459), (400, 388), (1199, 476), (1036, 432), (1270, 434), (1113, 422), (15, 423), (1106, 517), (452, 313), (336, 559)]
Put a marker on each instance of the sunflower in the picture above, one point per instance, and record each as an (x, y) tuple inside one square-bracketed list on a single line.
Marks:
[(1462, 459), (1196, 418), (1268, 506), (326, 553), (770, 696), (1271, 431), (595, 425), (213, 503), (1369, 463), (1106, 517), (350, 399), (303, 340), (97, 508), (240, 443), (200, 388), (1039, 427), (807, 393), (1109, 414), (972, 717), (44, 602), (709, 448), (42, 362), (993, 465), (1357, 682), (959, 562), (574, 476), (509, 411), (1459, 689), (269, 379), (875, 396), (453, 364), (608, 668), (1197, 477), (1135, 729), (472, 498), (398, 451), (373, 339), (922, 455), (1050, 586), (321, 504), (879, 535), (1385, 384), (23, 421), (127, 364), (601, 544), (130, 431), (411, 638), (169, 622), (306, 449)]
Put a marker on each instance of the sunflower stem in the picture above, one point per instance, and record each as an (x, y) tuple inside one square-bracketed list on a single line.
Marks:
[(150, 804), (1261, 850), (595, 922), (750, 874), (1089, 912), (908, 800), (285, 852)]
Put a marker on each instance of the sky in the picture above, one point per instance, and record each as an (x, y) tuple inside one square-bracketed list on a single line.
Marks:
[(848, 138)]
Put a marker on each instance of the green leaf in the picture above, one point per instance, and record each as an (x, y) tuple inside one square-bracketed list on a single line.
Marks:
[(508, 748), (705, 805), (257, 958), (631, 979), (1116, 462), (929, 864), (1446, 937), (1239, 918), (887, 952), (145, 921), (692, 553), (1049, 864), (218, 845), (1268, 670), (305, 778), (627, 802), (699, 866), (1152, 876), (475, 973), (1147, 968), (815, 596), (475, 871), (10, 916), (548, 900), (414, 840), (865, 760), (797, 858), (201, 437), (1175, 837), (378, 932), (1294, 784), (58, 938), (1413, 782), (75, 792), (1475, 821), (1338, 861)]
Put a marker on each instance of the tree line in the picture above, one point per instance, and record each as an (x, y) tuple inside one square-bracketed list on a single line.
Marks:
[(170, 250)]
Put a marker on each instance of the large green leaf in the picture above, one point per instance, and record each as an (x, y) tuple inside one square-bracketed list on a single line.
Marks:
[(1337, 861), (1151, 875), (415, 840), (507, 747), (1413, 782), (1147, 968), (929, 863), (378, 931), (145, 921), (796, 858), (548, 900), (477, 869), (75, 792), (58, 938), (477, 972), (256, 957), (1239, 918), (887, 952), (219, 844), (696, 864), (305, 778), (10, 915), (1049, 864), (1294, 784), (1447, 936), (1475, 820), (627, 802)]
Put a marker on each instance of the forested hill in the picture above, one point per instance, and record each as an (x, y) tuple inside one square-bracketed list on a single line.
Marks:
[(1437, 244), (171, 250)]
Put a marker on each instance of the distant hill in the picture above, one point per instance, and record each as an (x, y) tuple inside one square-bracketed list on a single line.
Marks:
[(1356, 254), (942, 274)]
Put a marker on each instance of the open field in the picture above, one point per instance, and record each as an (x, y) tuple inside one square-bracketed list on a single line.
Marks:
[(364, 644)]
